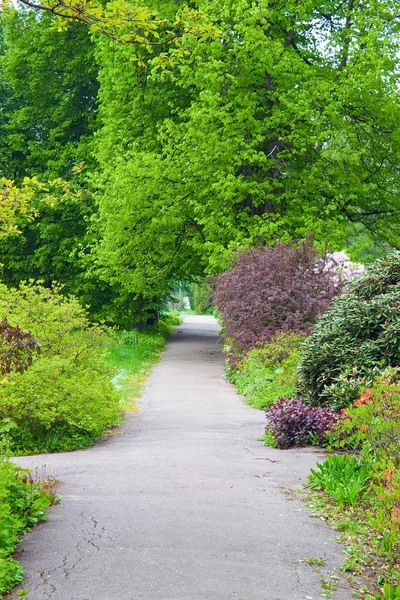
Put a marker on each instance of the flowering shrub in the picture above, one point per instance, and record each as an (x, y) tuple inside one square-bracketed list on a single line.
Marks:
[(360, 332), (340, 268), (373, 420), (371, 426), (270, 290), (291, 422)]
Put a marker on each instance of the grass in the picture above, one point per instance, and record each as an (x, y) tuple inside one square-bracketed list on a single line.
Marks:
[(366, 569), (135, 355)]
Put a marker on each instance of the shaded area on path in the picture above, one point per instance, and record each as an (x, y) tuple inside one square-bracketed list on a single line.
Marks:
[(183, 502)]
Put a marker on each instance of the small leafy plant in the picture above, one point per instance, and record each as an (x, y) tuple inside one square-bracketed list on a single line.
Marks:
[(291, 422), (389, 592), (342, 477), (23, 504)]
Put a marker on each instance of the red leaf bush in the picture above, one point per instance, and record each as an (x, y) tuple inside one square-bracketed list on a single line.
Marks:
[(292, 422), (270, 290)]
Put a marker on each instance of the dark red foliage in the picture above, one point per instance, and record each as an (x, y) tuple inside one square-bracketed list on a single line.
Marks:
[(16, 348), (270, 290), (294, 423)]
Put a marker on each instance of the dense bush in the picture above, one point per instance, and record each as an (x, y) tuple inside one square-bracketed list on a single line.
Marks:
[(357, 337), (291, 422), (23, 503), (270, 290), (268, 371), (65, 399)]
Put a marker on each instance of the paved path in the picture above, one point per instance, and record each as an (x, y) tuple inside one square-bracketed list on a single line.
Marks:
[(183, 503)]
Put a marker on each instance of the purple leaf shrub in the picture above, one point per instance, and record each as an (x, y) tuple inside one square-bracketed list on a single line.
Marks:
[(291, 422), (272, 289)]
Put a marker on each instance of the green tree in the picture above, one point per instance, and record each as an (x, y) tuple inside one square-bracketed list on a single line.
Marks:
[(285, 122), (48, 81), (51, 83), (246, 123)]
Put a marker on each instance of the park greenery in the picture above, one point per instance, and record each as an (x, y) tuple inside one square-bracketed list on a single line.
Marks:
[(23, 504), (338, 386), (227, 148)]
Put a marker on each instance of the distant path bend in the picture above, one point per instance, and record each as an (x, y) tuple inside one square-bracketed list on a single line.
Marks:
[(183, 503)]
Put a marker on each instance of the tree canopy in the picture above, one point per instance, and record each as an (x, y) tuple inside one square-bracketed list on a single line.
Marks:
[(196, 132)]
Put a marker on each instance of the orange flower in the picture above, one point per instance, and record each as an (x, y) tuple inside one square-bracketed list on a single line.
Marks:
[(388, 475), (364, 427), (365, 398)]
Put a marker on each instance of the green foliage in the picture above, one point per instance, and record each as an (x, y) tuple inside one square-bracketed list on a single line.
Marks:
[(50, 104), (389, 592), (49, 240), (46, 132), (204, 296), (342, 477), (23, 504), (269, 371), (356, 339), (66, 398), (215, 153)]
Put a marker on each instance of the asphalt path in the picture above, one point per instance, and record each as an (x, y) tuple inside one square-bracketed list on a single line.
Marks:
[(183, 502)]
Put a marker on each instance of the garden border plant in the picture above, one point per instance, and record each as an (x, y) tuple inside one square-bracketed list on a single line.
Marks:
[(23, 504)]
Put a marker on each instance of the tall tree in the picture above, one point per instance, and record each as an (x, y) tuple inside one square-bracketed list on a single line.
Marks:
[(286, 121), (48, 88)]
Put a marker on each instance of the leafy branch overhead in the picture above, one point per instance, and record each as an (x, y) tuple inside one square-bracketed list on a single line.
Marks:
[(20, 202), (125, 22)]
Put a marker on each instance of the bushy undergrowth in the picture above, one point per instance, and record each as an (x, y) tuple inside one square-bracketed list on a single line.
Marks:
[(270, 290), (23, 504), (268, 371), (369, 508), (291, 423), (65, 399), (356, 339)]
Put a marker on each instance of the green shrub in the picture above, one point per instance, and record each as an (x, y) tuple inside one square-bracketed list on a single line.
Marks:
[(23, 504), (357, 338), (269, 370), (65, 399)]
